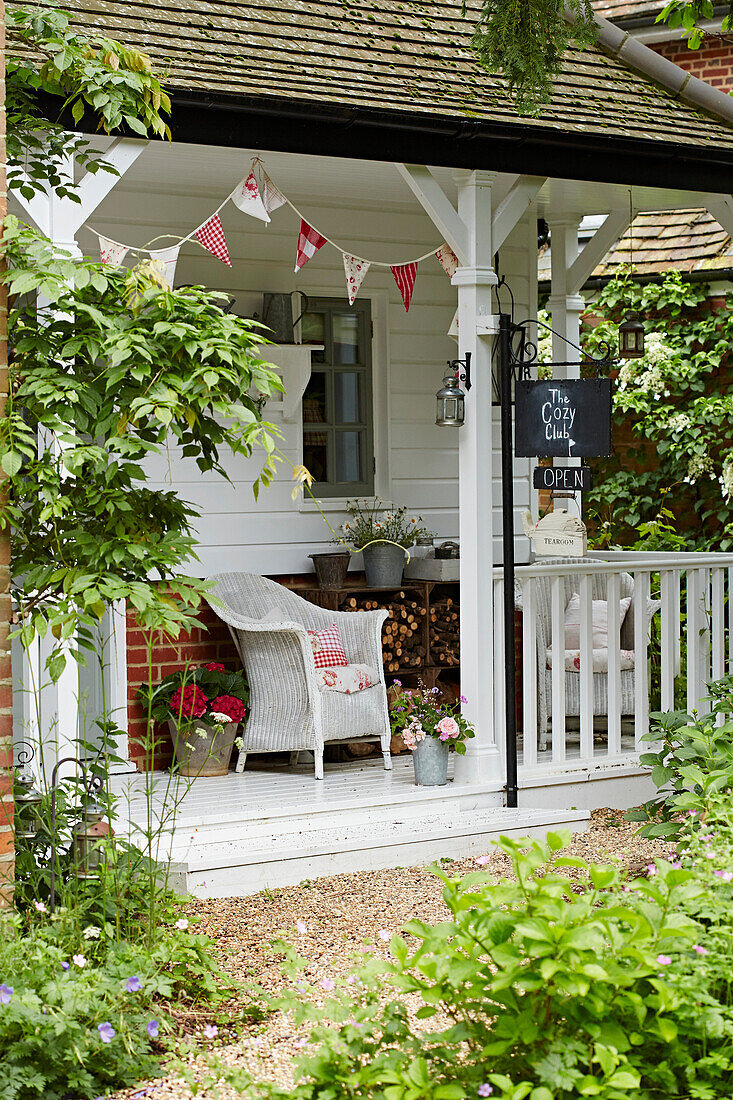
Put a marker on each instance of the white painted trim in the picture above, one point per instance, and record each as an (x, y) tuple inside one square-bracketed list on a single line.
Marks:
[(513, 207), (611, 229), (438, 206), (721, 207)]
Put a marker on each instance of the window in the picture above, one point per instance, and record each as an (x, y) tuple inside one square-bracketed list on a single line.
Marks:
[(338, 444)]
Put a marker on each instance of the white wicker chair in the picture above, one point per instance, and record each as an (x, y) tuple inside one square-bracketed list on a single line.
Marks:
[(287, 709), (599, 585)]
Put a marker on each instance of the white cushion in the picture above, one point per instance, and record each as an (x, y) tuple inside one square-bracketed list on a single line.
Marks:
[(600, 659), (599, 619), (346, 678)]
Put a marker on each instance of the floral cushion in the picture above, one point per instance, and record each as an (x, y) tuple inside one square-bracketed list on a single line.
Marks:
[(600, 659), (347, 678), (328, 650)]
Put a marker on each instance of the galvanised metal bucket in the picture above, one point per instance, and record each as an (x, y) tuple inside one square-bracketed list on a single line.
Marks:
[(430, 759), (384, 565), (201, 751)]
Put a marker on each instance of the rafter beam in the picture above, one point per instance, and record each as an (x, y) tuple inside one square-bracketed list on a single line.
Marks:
[(513, 207), (721, 207), (439, 208), (581, 269)]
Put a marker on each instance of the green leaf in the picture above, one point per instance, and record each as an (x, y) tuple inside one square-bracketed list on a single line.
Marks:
[(11, 463)]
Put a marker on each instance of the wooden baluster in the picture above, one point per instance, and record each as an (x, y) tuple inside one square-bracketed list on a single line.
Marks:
[(529, 672), (669, 629), (613, 594), (641, 671), (586, 666), (558, 670)]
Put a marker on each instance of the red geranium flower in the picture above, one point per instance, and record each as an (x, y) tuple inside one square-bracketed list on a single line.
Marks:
[(189, 702), (234, 708), (214, 666)]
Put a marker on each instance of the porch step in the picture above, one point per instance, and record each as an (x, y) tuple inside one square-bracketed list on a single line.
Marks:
[(290, 855)]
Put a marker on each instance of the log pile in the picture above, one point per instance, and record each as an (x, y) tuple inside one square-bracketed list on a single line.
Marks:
[(444, 627), (403, 634)]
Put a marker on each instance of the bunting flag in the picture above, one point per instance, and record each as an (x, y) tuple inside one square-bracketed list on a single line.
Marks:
[(453, 330), (355, 270), (309, 241), (167, 258), (211, 236), (246, 197), (404, 276), (447, 260), (111, 253), (272, 196)]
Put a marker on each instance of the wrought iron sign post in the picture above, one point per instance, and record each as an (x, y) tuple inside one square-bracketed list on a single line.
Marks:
[(548, 427)]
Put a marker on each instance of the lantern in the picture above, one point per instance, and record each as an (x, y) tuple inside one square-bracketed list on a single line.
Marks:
[(631, 337), (87, 837), (451, 401), (27, 806)]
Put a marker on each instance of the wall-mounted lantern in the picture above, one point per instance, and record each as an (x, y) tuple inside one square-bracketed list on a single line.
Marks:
[(631, 337), (451, 400), (27, 806)]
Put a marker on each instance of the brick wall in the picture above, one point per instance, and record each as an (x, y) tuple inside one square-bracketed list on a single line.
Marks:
[(6, 685), (713, 62)]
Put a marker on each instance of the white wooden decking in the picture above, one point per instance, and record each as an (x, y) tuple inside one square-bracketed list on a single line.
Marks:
[(238, 834)]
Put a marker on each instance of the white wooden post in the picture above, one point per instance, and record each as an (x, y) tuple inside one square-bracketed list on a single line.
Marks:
[(566, 308), (60, 220), (476, 329)]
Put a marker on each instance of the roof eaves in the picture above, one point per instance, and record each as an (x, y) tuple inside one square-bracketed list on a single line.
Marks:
[(690, 89)]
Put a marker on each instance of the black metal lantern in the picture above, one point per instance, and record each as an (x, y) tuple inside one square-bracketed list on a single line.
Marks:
[(451, 403), (631, 337), (27, 806), (87, 837)]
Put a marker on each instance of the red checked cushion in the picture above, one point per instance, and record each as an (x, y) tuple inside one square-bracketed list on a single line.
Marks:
[(328, 652)]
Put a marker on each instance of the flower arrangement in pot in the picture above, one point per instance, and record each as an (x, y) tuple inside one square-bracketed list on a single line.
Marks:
[(431, 726), (383, 535), (203, 708)]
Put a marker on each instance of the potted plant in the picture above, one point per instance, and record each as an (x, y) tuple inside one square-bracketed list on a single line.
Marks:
[(203, 708), (431, 726), (383, 536)]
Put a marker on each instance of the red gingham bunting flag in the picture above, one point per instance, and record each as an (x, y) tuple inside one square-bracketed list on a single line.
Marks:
[(211, 236), (309, 241), (404, 276), (447, 260), (355, 271), (110, 252)]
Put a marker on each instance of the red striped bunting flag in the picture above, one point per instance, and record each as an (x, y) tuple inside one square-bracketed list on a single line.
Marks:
[(404, 276), (309, 241), (211, 236)]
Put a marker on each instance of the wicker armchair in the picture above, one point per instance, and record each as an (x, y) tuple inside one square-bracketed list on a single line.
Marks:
[(288, 710)]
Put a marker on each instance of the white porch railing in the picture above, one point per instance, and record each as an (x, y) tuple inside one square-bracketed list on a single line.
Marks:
[(675, 637)]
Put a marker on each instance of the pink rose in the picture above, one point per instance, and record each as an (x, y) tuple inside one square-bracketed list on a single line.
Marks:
[(447, 727)]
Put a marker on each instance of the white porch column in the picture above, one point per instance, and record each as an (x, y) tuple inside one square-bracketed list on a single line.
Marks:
[(566, 308), (476, 329)]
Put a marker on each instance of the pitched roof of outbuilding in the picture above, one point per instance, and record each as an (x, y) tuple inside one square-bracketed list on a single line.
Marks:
[(389, 55), (618, 10)]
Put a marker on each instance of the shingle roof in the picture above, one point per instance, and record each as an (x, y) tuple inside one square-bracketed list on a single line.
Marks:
[(388, 55), (686, 240), (626, 9)]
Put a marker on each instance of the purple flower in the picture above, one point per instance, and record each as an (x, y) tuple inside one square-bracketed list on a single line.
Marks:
[(485, 1090), (328, 984), (482, 860), (106, 1032), (700, 950), (6, 992), (301, 928), (676, 864), (725, 875), (397, 683), (462, 699), (152, 1029), (664, 960), (65, 966), (133, 984), (211, 1031), (651, 869), (385, 935)]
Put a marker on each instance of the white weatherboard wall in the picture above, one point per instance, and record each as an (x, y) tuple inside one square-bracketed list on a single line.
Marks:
[(172, 189)]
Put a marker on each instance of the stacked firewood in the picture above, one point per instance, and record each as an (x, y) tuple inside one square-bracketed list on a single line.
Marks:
[(403, 635), (445, 628)]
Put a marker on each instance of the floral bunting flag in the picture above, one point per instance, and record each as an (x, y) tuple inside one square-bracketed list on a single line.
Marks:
[(447, 260), (211, 236), (272, 196), (453, 330), (167, 258), (355, 270), (404, 276), (309, 241), (246, 197), (112, 253)]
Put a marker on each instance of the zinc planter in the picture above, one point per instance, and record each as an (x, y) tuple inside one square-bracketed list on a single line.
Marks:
[(384, 565), (430, 760), (200, 750)]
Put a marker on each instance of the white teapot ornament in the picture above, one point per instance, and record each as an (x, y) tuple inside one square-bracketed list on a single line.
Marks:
[(557, 534)]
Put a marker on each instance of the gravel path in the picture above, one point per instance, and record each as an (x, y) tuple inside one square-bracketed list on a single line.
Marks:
[(343, 915)]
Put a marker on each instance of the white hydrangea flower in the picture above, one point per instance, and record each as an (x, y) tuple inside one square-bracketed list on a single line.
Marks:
[(698, 467), (726, 478), (679, 422), (91, 932)]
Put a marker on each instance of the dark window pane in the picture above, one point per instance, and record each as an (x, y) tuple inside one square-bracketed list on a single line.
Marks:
[(346, 397), (315, 454), (346, 338), (348, 456), (315, 400), (313, 331)]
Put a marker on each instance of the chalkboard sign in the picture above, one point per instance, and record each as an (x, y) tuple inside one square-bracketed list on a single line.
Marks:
[(565, 479), (563, 419)]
